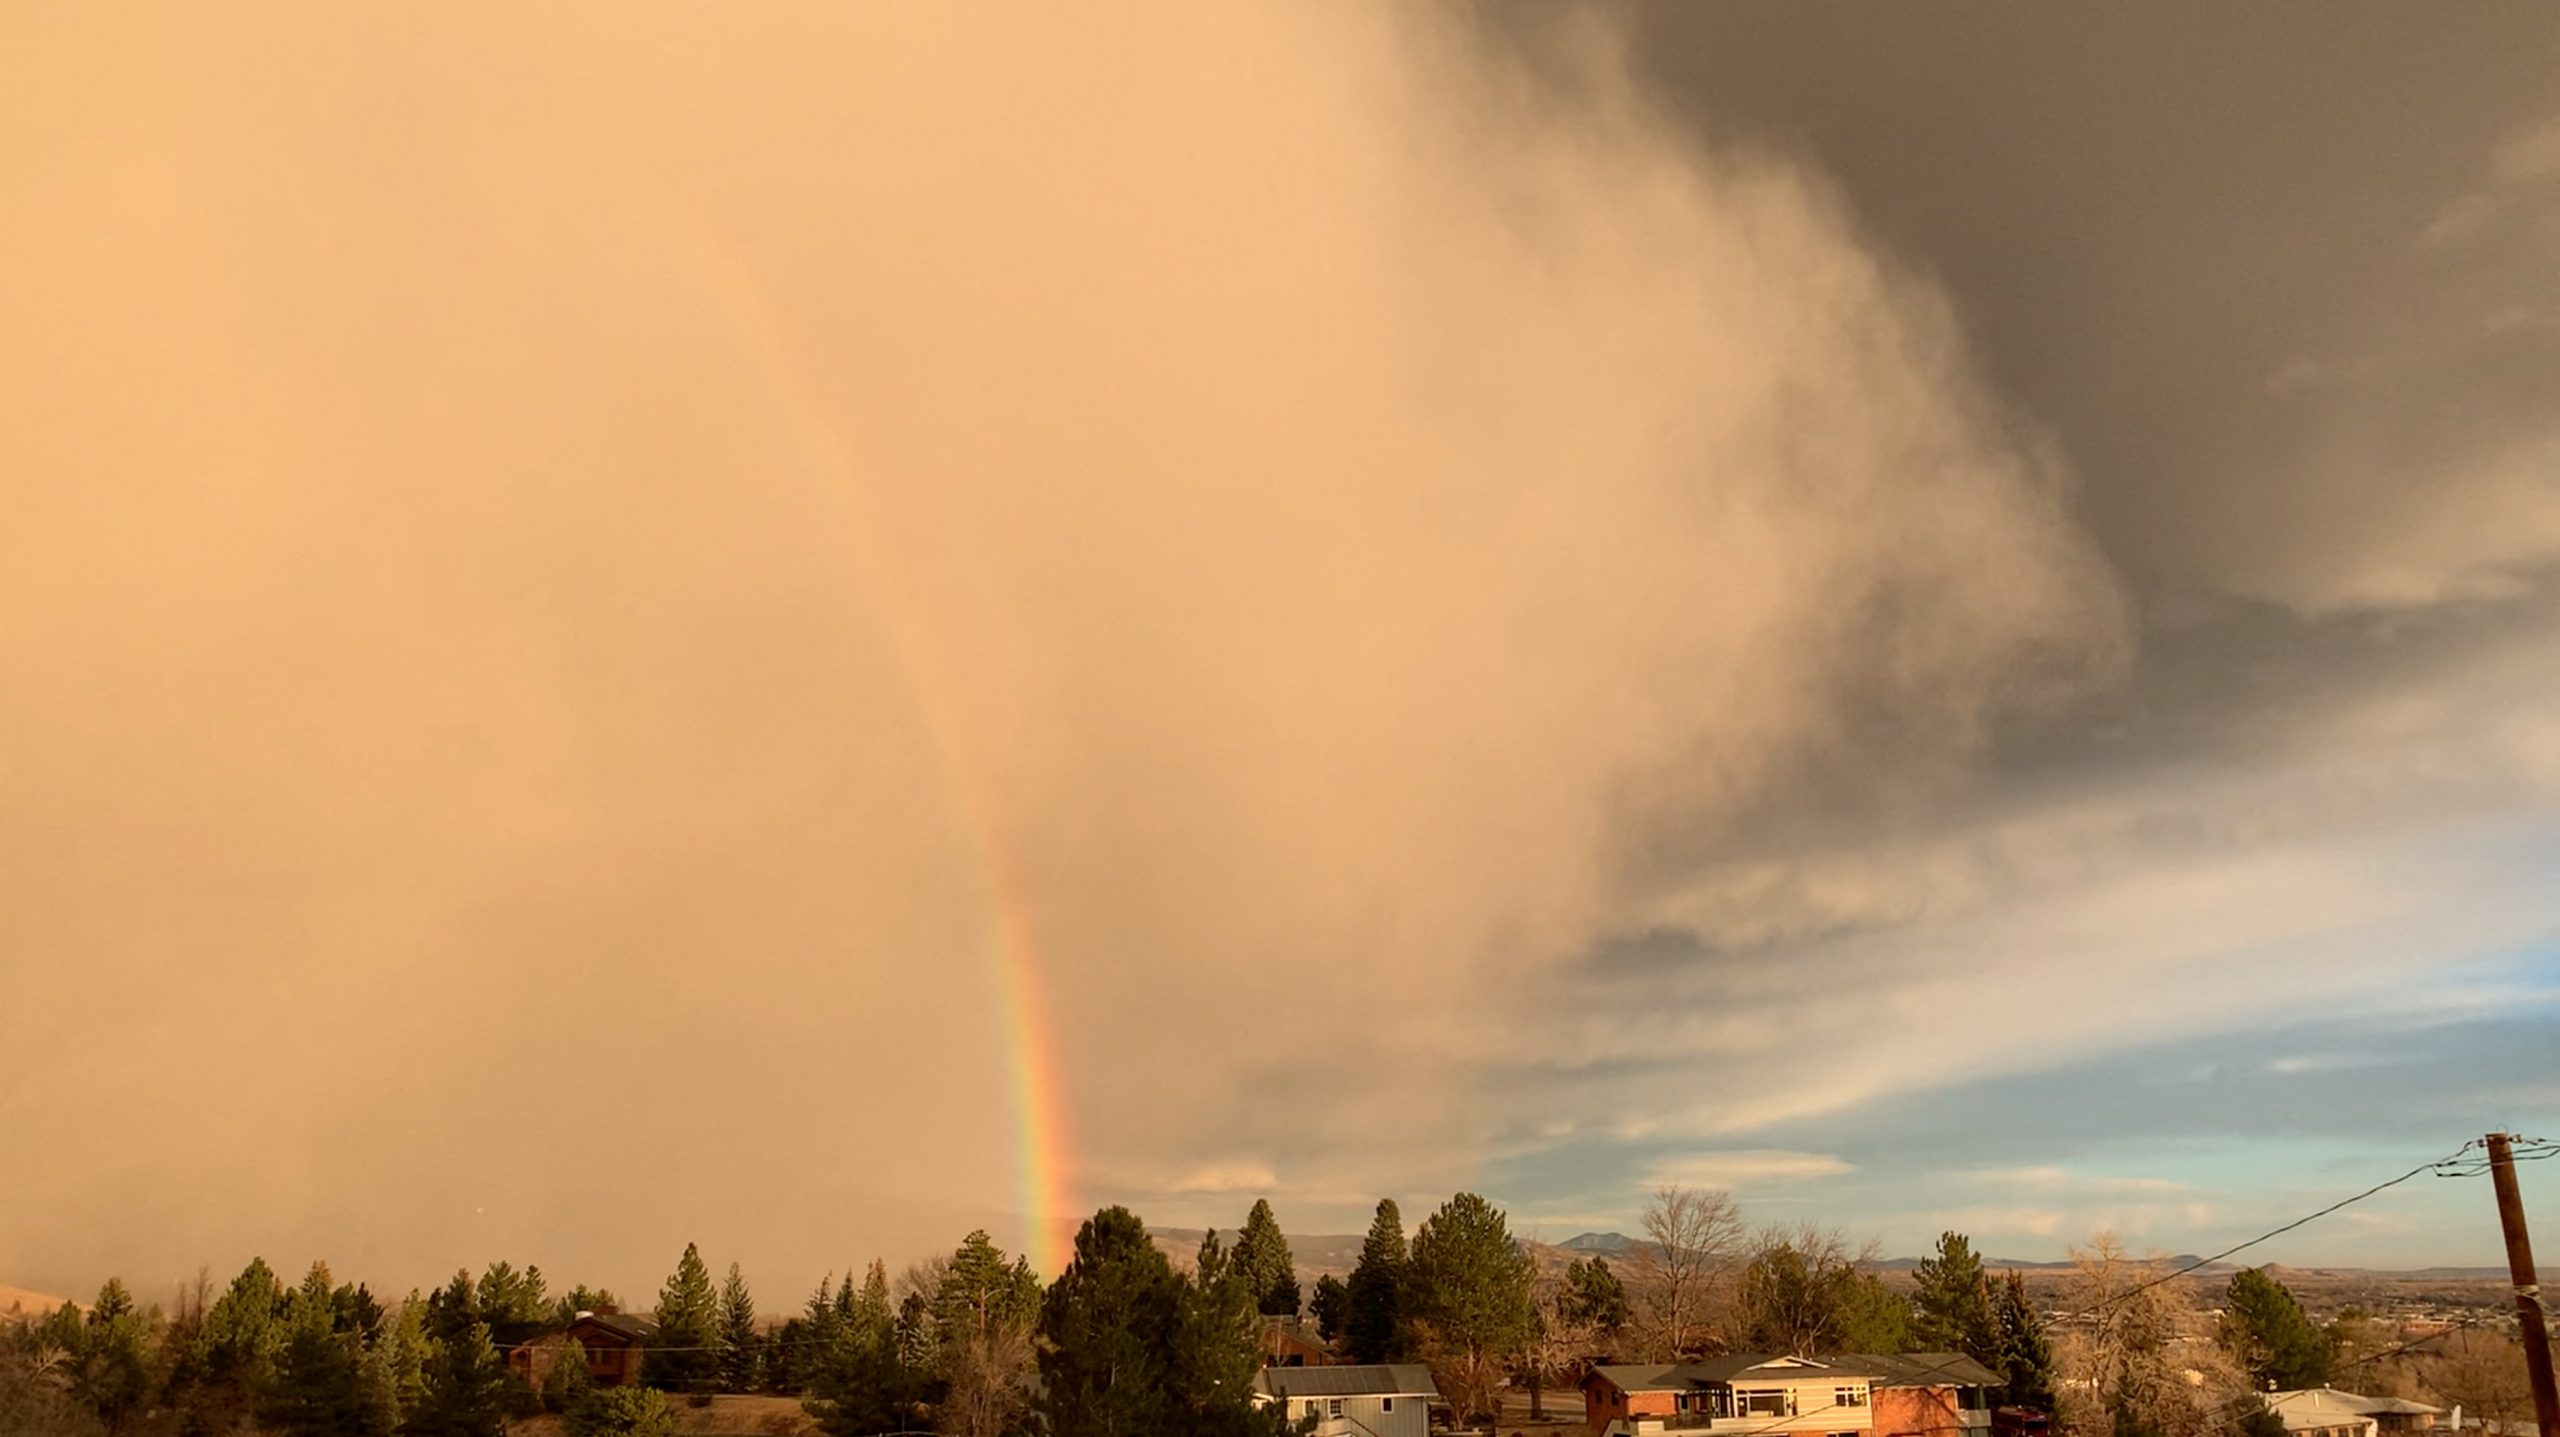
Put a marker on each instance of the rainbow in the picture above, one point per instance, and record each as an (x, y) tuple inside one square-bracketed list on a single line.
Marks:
[(1043, 1162)]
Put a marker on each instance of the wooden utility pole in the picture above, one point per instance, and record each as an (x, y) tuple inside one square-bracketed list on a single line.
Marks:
[(2537, 1339)]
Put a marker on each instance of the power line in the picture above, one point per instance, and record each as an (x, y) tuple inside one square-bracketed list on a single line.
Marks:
[(2443, 1166)]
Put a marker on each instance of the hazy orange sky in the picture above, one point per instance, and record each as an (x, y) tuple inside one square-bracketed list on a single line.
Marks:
[(1509, 598)]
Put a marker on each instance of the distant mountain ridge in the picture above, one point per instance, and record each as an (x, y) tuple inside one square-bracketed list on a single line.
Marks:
[(1618, 1244), (1313, 1255), (19, 1302)]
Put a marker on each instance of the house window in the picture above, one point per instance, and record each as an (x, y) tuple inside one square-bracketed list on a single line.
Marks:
[(1767, 1401), (1386, 1404), (1336, 1408), (1848, 1397)]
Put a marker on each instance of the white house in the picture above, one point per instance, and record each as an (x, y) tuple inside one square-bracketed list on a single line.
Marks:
[(1391, 1400)]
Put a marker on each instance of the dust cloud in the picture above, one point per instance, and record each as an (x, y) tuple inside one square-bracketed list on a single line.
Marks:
[(567, 568)]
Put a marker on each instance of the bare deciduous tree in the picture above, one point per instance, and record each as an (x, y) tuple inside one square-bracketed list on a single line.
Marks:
[(1692, 1238), (988, 1375), (2142, 1355), (2482, 1371), (1560, 1339)]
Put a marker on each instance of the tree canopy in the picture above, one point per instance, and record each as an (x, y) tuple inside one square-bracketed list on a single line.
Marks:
[(2271, 1337), (1263, 1260), (1952, 1306), (1471, 1286), (685, 1353), (1376, 1326)]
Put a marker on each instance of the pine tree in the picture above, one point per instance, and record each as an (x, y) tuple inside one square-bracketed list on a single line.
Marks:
[(1376, 1326), (117, 1357), (858, 1382), (465, 1382), (395, 1367), (737, 1334), (1952, 1306), (1109, 1323), (825, 1325), (981, 1291), (1331, 1305), (918, 1343), (2265, 1328), (872, 1313), (319, 1389), (2025, 1362), (242, 1331), (1216, 1349), (1873, 1317), (1262, 1256), (568, 1379), (619, 1412), (684, 1355), (513, 1303), (1594, 1297), (1471, 1290), (581, 1298)]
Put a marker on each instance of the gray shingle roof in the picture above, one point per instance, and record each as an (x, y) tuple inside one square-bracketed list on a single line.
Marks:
[(1734, 1366), (1919, 1369), (1400, 1379), (1644, 1377)]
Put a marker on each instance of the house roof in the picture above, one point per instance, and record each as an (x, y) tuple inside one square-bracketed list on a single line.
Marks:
[(1762, 1366), (1644, 1377), (631, 1327), (1398, 1379), (1919, 1369), (2322, 1406), (1738, 1366)]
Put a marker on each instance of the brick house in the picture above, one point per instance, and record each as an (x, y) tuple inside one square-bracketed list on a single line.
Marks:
[(1929, 1394), (614, 1344)]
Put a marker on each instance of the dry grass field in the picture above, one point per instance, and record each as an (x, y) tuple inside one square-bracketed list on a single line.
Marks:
[(723, 1417)]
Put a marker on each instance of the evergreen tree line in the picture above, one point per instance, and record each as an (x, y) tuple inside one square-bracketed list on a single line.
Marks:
[(1127, 1343), (319, 1357)]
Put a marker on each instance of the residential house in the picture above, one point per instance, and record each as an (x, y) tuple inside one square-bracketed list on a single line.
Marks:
[(1293, 1342), (1744, 1393), (2328, 1412), (614, 1343), (1392, 1400), (1928, 1394)]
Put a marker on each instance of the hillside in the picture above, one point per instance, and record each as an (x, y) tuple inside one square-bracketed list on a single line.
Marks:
[(1314, 1256), (19, 1302)]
